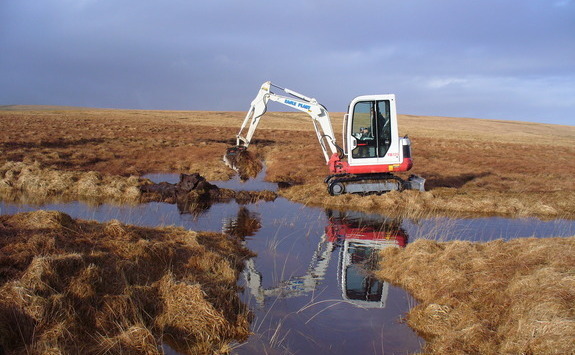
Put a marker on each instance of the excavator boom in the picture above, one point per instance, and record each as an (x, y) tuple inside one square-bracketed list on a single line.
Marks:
[(317, 112)]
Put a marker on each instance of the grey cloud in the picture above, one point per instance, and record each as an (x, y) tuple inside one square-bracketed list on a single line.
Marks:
[(477, 59)]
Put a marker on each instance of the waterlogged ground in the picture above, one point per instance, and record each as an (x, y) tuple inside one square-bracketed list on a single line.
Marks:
[(309, 286)]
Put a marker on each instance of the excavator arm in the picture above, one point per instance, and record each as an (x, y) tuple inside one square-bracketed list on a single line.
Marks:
[(317, 112)]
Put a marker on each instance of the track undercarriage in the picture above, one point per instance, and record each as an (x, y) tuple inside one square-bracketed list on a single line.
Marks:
[(377, 183)]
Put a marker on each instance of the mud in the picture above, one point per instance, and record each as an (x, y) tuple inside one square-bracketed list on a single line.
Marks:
[(187, 183), (194, 194), (244, 162)]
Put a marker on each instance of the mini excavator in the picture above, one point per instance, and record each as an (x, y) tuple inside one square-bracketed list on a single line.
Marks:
[(371, 151)]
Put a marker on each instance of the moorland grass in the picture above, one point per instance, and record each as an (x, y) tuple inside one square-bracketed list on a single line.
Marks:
[(471, 165), (35, 183), (73, 286), (499, 297), (131, 287)]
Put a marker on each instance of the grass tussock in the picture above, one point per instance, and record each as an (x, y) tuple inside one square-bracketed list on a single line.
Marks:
[(500, 297), (72, 286), (36, 182), (446, 201)]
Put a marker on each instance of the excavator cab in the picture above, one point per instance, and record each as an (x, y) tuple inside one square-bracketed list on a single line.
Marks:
[(373, 150), (374, 139)]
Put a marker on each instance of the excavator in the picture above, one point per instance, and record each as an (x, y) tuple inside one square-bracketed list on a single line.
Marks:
[(371, 150)]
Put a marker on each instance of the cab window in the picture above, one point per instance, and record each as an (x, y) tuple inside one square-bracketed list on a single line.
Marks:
[(363, 130), (383, 127), (371, 127)]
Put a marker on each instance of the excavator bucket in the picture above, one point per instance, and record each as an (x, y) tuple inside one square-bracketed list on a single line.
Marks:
[(245, 163)]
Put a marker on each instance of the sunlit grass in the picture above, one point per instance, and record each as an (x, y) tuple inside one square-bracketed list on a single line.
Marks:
[(511, 296), (471, 165), (72, 286)]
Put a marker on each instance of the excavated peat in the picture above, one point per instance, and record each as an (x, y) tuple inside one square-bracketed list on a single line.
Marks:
[(193, 189), (245, 163)]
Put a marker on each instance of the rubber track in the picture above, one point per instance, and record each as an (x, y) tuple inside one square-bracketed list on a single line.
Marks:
[(346, 178)]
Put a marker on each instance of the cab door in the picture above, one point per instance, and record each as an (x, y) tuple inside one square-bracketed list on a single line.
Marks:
[(372, 125)]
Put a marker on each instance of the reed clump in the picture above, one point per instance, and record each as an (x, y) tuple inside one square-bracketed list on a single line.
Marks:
[(500, 297), (73, 286)]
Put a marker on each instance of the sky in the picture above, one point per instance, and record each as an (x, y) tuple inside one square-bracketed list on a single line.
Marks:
[(494, 59)]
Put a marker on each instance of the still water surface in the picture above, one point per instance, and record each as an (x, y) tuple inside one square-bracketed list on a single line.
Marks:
[(309, 286)]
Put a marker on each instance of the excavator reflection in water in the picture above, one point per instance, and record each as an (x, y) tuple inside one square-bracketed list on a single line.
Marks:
[(359, 242), (357, 237)]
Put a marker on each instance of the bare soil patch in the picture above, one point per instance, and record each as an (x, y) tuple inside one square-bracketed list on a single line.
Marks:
[(73, 286), (193, 194), (513, 297)]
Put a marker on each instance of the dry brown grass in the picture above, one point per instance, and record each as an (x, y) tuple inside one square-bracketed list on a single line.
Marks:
[(34, 183), (130, 288), (514, 297), (471, 165), (494, 131), (118, 142), (72, 286), (442, 201)]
